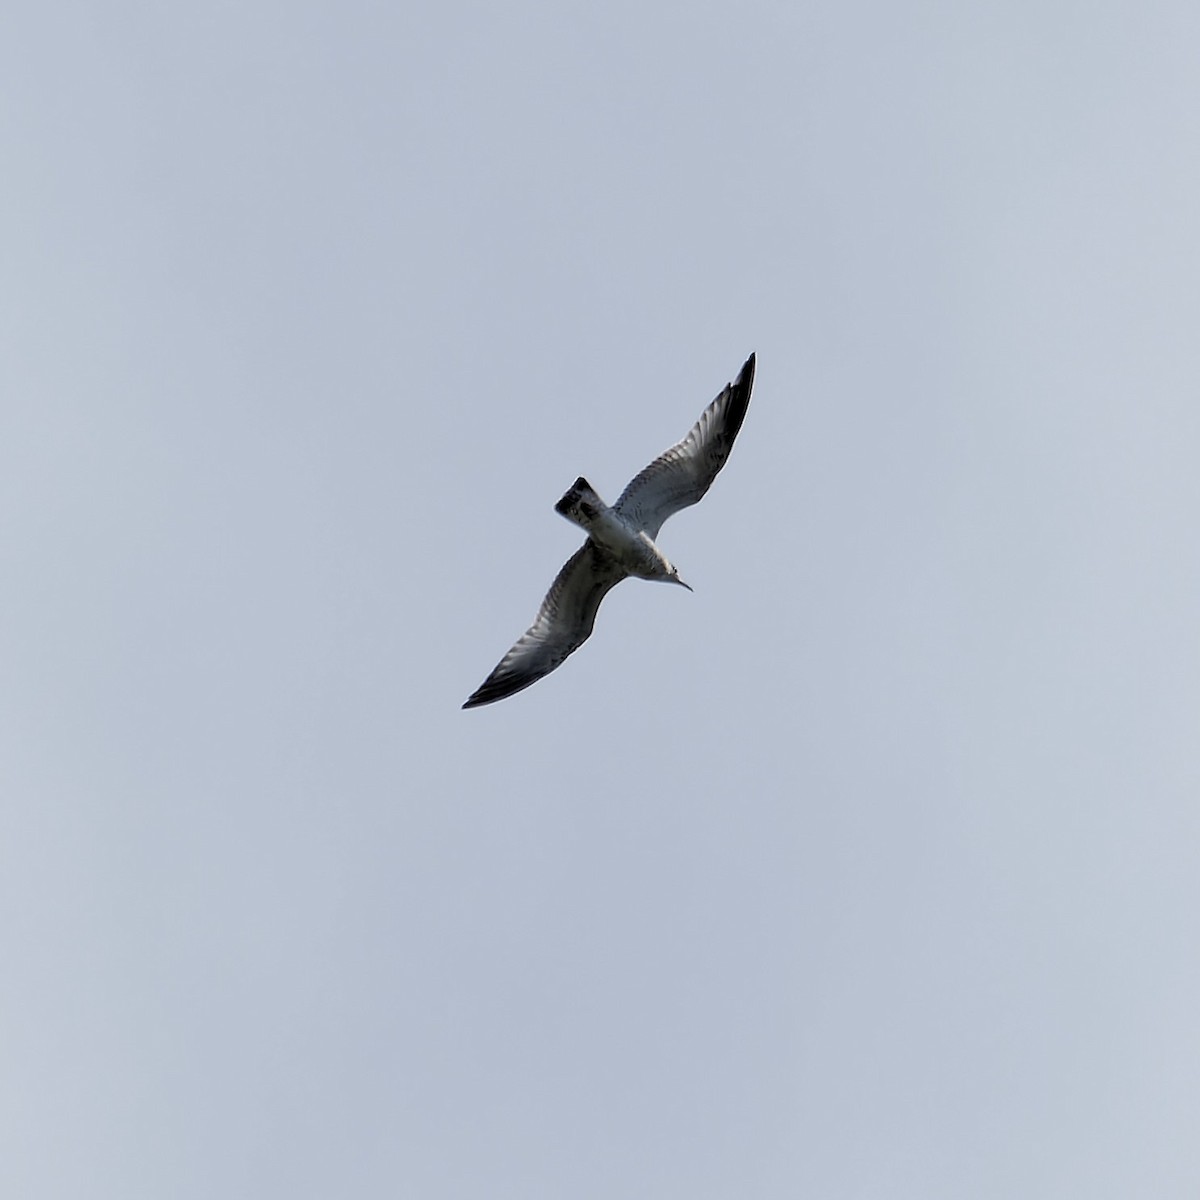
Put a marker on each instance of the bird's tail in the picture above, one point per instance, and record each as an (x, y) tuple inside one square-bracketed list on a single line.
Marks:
[(581, 504)]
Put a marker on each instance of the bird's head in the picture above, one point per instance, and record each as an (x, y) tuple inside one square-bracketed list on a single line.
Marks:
[(674, 578)]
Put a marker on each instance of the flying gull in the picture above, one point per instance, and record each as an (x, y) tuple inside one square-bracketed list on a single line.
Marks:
[(620, 542)]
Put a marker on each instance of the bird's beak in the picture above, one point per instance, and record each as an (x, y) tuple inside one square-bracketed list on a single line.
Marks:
[(676, 579)]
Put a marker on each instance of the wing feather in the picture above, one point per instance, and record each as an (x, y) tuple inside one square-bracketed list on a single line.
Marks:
[(681, 475), (563, 623)]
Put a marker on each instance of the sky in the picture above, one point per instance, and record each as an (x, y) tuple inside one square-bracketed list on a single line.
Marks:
[(866, 870)]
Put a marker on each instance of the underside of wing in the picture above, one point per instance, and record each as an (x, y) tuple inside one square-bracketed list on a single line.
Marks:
[(680, 476), (563, 624)]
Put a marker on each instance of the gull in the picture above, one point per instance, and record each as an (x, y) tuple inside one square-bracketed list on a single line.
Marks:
[(620, 542)]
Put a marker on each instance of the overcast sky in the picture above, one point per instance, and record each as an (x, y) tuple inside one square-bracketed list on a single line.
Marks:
[(869, 870)]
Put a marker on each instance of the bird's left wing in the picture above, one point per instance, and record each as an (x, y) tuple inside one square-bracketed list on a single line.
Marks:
[(563, 624), (680, 476)]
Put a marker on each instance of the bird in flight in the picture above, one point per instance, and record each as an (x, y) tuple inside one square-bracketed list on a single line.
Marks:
[(620, 542)]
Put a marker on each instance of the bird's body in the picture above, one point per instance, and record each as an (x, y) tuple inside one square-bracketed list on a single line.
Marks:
[(633, 548), (621, 542)]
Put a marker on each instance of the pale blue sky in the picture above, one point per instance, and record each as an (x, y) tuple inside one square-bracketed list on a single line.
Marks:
[(868, 870)]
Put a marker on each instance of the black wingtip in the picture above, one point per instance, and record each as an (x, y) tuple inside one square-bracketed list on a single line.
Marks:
[(746, 375), (738, 399), (492, 690)]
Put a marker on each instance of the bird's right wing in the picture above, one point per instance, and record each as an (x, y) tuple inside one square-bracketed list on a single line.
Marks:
[(563, 624), (680, 476)]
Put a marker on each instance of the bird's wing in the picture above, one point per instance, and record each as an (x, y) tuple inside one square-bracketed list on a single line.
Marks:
[(682, 475), (563, 624)]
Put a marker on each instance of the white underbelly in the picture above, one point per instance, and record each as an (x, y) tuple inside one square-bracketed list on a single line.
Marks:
[(630, 547)]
